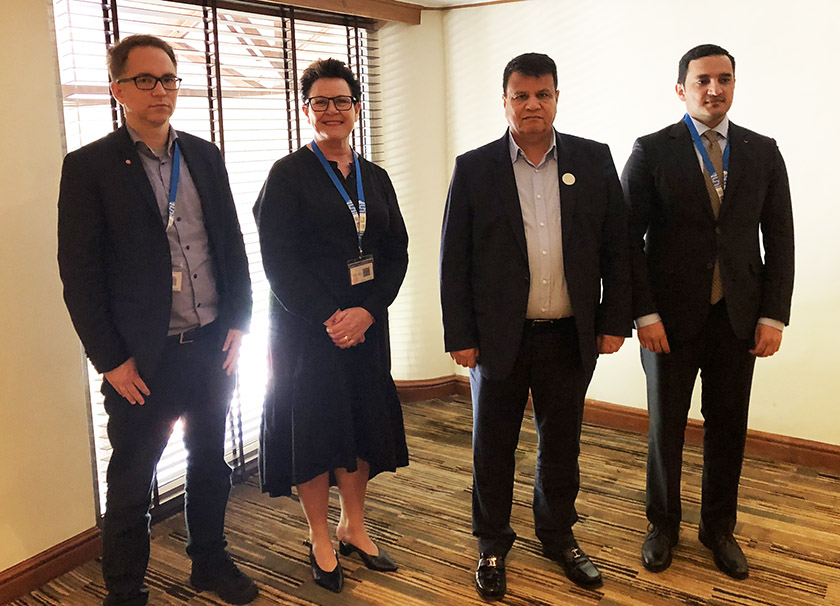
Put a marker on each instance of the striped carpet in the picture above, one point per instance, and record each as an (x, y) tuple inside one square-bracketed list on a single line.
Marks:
[(789, 528)]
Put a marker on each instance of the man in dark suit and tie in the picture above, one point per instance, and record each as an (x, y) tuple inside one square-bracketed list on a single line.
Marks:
[(535, 283), (704, 194), (156, 282)]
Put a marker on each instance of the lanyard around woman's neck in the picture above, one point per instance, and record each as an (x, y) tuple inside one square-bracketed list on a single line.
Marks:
[(360, 215)]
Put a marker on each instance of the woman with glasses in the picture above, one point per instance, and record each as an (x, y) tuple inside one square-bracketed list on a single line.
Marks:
[(334, 247)]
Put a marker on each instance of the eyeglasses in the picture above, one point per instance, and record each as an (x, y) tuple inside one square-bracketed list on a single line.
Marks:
[(320, 104), (150, 82)]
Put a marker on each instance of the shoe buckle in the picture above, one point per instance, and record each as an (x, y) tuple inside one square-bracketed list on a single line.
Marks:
[(491, 561), (577, 553)]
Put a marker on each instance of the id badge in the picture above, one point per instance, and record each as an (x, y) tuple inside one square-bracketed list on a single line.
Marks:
[(361, 270), (177, 278)]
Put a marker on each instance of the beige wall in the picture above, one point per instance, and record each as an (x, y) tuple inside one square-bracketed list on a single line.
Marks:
[(617, 68), (46, 486), (414, 114)]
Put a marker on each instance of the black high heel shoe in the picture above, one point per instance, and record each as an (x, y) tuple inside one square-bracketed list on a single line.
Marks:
[(333, 580), (381, 562)]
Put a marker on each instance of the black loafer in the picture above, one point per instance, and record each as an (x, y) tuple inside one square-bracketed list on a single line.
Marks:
[(727, 554), (226, 580), (381, 562), (576, 565), (656, 550), (490, 579), (333, 580)]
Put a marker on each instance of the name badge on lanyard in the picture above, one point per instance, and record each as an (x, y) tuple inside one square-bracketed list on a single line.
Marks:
[(361, 268), (719, 185)]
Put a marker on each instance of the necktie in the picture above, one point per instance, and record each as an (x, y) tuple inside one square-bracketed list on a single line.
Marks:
[(710, 140)]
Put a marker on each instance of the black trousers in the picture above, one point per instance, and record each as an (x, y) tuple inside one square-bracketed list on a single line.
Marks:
[(189, 384), (549, 365), (726, 370)]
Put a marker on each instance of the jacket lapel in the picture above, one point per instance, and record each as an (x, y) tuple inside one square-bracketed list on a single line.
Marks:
[(508, 195), (569, 197), (134, 173), (739, 161), (203, 179), (684, 157)]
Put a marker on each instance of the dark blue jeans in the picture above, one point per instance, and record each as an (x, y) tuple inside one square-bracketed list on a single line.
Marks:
[(188, 384), (549, 365)]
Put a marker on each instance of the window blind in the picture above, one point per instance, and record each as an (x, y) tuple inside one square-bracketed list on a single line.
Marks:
[(240, 61)]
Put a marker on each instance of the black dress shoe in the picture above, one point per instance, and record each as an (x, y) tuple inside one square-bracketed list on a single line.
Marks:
[(140, 597), (381, 562), (226, 580), (727, 554), (490, 579), (576, 564), (333, 580), (656, 550)]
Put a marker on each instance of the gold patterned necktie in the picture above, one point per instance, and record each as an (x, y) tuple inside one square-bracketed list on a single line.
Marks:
[(710, 140)]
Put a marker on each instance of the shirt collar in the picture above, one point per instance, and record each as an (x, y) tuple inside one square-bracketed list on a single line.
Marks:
[(141, 145), (516, 151), (722, 129)]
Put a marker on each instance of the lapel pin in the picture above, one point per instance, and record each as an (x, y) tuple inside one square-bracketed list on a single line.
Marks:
[(568, 179), (128, 161)]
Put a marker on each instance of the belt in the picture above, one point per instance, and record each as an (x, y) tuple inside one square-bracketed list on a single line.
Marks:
[(549, 323), (192, 335)]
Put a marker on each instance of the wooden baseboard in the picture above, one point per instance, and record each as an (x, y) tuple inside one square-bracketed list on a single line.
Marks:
[(427, 389), (784, 449), (47, 565)]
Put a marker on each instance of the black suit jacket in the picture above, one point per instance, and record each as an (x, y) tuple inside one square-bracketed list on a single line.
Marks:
[(484, 271), (675, 238), (113, 253)]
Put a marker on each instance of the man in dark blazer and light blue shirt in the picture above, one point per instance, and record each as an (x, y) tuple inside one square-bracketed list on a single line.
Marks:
[(156, 282), (535, 283), (704, 194)]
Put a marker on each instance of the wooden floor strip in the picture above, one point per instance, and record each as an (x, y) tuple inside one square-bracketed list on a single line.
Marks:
[(789, 524)]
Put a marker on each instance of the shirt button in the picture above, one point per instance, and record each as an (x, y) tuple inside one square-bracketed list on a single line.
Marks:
[(542, 223), (545, 252), (545, 281), (539, 196), (542, 309)]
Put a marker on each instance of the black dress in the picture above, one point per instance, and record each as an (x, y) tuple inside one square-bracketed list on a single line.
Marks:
[(326, 406)]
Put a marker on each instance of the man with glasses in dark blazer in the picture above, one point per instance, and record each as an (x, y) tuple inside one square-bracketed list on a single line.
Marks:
[(156, 282)]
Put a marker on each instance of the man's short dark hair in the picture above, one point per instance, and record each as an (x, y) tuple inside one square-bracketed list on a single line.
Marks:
[(532, 65), (698, 52), (118, 54), (329, 68)]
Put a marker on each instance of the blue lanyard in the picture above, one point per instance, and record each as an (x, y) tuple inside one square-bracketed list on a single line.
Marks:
[(173, 183), (707, 161), (360, 215)]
